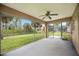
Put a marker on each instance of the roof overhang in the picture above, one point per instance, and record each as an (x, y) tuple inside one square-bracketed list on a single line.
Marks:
[(37, 9), (12, 12)]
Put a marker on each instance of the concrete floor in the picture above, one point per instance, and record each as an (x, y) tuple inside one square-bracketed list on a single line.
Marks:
[(45, 47)]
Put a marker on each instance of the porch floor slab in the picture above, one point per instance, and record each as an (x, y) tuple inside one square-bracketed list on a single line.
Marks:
[(46, 47)]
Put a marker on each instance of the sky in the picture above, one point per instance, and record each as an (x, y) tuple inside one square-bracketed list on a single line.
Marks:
[(23, 21)]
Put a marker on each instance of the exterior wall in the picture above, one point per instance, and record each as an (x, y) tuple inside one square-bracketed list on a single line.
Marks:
[(75, 28)]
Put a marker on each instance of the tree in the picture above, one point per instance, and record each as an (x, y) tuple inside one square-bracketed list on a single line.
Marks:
[(37, 25), (6, 19), (27, 27)]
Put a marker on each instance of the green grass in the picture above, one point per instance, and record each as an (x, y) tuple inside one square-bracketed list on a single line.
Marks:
[(12, 42), (14, 32), (55, 33), (65, 35)]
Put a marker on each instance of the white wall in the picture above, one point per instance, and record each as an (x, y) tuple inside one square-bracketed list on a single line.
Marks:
[(75, 31)]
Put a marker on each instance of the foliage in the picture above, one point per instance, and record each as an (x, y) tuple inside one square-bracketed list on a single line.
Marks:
[(6, 19), (65, 35), (12, 32), (27, 28), (36, 25)]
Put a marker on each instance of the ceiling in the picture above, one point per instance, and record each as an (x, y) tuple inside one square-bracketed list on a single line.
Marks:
[(37, 9)]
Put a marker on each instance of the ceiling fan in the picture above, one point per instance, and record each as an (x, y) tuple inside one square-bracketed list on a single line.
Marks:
[(48, 14)]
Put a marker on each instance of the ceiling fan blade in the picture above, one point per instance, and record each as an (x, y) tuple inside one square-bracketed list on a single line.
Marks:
[(53, 14), (43, 18), (49, 17)]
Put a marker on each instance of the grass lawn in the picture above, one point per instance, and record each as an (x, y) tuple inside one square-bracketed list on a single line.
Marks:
[(55, 33), (12, 42), (65, 35)]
